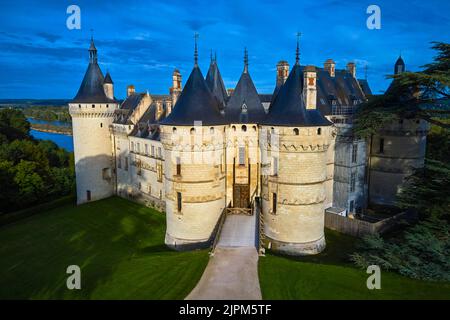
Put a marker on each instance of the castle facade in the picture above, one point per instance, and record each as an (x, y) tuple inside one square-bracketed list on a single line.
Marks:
[(203, 148)]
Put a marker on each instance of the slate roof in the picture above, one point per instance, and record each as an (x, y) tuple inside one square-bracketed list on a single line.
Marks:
[(122, 115), (288, 108), (91, 88), (215, 84), (108, 78), (244, 105), (196, 103), (365, 87)]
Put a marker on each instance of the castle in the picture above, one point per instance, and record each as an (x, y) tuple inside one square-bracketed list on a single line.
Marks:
[(203, 148)]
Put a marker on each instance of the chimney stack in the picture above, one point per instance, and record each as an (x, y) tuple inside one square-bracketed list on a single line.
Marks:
[(176, 88), (282, 72), (309, 87), (330, 66), (130, 90), (351, 68)]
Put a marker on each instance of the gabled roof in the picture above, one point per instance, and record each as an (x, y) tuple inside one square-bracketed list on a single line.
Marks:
[(91, 89), (196, 103), (288, 108), (245, 105), (215, 84), (122, 115)]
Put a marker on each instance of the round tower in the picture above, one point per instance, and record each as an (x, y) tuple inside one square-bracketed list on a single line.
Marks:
[(92, 112), (193, 138), (395, 151), (294, 140)]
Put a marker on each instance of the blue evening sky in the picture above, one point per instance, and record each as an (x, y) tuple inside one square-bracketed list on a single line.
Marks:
[(141, 42)]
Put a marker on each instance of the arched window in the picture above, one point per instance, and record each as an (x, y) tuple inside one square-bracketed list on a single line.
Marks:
[(79, 106), (192, 130), (93, 106), (319, 131), (211, 130), (234, 128), (244, 128), (174, 130), (107, 105), (296, 132), (101, 125), (254, 128)]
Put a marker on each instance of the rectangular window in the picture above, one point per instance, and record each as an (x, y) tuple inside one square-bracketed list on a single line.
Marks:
[(354, 153), (132, 146), (179, 201), (159, 153), (119, 162), (274, 203), (381, 146), (178, 166), (242, 156), (352, 181), (159, 172), (153, 151), (149, 189), (88, 195), (275, 166), (126, 163), (138, 147), (146, 149)]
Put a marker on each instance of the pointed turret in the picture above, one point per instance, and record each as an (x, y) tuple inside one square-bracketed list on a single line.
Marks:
[(215, 83), (196, 102), (399, 65), (245, 105), (108, 78), (91, 89)]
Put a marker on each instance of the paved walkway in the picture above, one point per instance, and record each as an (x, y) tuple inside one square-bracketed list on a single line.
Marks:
[(232, 273)]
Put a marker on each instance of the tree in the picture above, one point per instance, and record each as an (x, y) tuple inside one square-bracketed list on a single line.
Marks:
[(13, 125), (423, 95)]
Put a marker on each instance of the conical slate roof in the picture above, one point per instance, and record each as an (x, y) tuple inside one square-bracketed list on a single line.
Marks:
[(91, 89), (215, 84), (288, 108), (196, 103), (245, 105), (108, 79)]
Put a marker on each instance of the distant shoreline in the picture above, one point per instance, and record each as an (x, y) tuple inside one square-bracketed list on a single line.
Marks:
[(53, 129)]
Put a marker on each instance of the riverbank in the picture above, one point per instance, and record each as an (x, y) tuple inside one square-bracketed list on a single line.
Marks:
[(51, 128)]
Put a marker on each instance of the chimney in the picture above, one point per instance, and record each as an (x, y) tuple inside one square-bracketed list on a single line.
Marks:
[(230, 92), (309, 87), (282, 72), (175, 90), (351, 68), (130, 90), (330, 66)]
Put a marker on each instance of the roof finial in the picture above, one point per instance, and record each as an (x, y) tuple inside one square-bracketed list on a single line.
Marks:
[(245, 60), (195, 50), (297, 53)]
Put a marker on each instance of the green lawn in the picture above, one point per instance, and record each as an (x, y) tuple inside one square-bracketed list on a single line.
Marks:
[(330, 275), (118, 244)]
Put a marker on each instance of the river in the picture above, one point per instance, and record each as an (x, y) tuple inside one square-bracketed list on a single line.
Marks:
[(62, 140)]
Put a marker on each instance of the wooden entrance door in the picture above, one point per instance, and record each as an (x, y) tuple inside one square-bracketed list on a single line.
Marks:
[(241, 195)]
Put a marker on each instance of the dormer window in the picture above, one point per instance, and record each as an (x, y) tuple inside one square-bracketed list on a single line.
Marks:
[(244, 108)]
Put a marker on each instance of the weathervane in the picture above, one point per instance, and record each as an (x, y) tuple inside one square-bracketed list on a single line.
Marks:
[(297, 54), (196, 50)]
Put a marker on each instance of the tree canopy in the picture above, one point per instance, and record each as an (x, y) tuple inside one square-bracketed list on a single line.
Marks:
[(424, 95)]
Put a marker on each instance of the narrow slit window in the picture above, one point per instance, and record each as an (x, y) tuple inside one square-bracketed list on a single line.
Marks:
[(179, 201)]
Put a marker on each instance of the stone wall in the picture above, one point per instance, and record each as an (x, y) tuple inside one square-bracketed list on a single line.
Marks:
[(94, 163)]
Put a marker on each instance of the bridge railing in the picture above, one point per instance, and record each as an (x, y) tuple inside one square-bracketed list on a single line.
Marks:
[(220, 223)]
